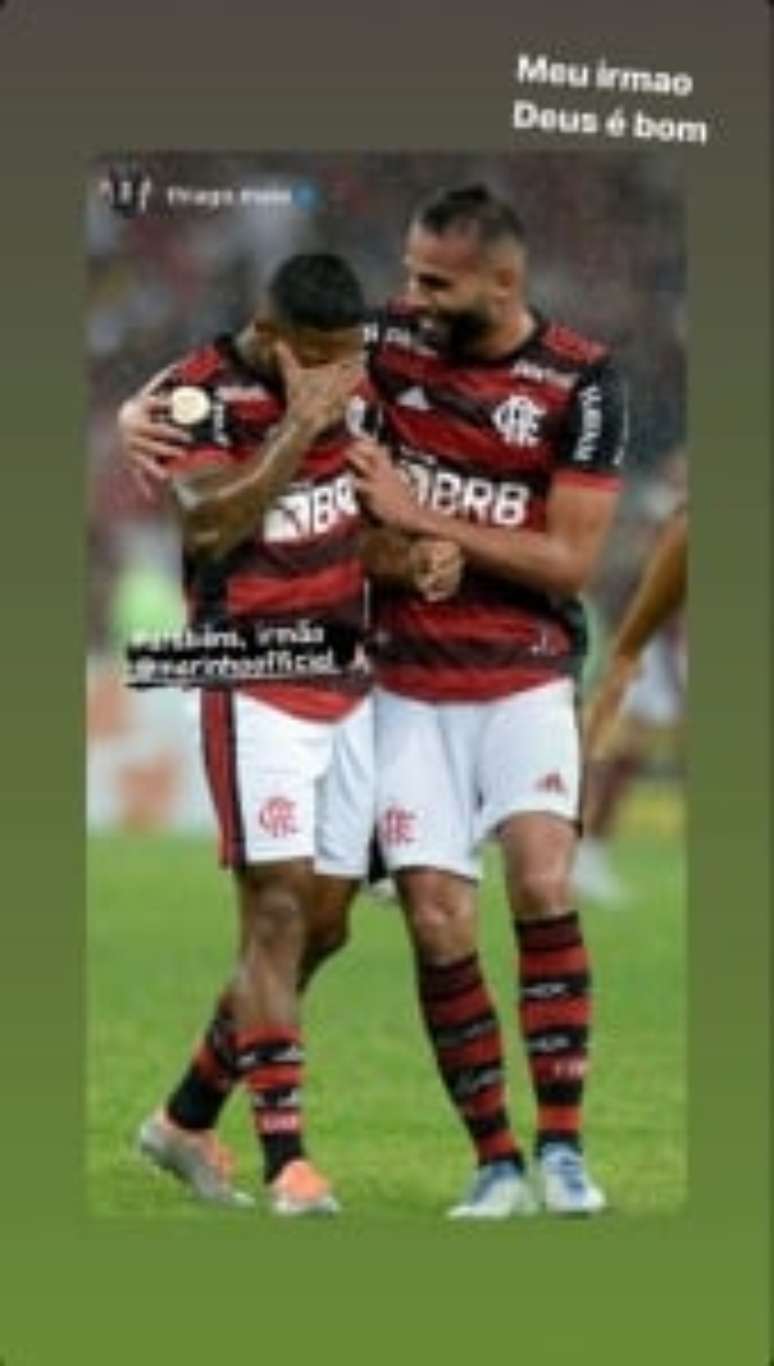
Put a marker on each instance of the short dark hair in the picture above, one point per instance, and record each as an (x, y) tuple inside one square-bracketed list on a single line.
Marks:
[(317, 289), (471, 207)]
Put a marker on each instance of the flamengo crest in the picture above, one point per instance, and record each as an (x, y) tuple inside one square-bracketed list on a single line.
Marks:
[(518, 420)]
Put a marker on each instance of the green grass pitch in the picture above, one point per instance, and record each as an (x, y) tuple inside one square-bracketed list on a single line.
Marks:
[(160, 940)]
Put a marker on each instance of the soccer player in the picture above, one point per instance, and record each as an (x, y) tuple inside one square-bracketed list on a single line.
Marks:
[(510, 430), (659, 594), (271, 530), (503, 434)]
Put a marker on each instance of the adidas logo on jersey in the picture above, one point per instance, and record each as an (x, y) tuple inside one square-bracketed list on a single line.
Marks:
[(414, 398)]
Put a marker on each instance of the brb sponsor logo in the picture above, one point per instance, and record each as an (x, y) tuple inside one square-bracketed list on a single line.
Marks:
[(311, 510), (492, 502), (277, 817), (398, 826)]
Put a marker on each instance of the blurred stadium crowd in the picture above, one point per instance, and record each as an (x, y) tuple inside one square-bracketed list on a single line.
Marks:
[(607, 249)]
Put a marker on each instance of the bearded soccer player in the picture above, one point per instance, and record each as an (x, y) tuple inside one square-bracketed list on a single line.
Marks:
[(503, 434)]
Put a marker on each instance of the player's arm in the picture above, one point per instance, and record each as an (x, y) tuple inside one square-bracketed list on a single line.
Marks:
[(659, 594), (433, 568), (430, 567), (386, 555), (220, 506), (581, 504), (558, 560)]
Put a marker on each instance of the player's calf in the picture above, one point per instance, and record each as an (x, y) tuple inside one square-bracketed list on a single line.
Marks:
[(554, 988), (327, 924), (269, 1045), (553, 974), (460, 1018)]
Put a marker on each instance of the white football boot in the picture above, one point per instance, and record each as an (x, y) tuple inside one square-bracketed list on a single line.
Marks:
[(564, 1185), (498, 1191)]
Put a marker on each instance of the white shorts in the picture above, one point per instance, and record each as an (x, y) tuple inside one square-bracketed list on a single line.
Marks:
[(287, 788), (449, 773)]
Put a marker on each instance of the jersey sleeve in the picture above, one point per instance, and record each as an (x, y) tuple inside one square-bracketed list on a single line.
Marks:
[(592, 443), (211, 445)]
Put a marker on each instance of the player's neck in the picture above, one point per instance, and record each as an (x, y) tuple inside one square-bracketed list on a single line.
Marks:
[(508, 336)]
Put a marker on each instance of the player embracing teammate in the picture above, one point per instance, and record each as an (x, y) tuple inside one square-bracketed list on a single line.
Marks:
[(272, 533), (500, 443)]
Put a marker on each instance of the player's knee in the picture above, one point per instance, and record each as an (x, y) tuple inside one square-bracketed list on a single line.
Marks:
[(439, 927), (274, 918), (543, 891)]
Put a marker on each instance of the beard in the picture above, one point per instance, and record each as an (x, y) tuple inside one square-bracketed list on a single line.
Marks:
[(456, 334)]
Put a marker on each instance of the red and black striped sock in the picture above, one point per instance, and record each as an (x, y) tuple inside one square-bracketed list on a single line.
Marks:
[(555, 1015), (270, 1063), (465, 1034), (197, 1101)]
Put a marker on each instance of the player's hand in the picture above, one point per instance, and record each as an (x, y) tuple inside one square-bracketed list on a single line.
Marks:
[(318, 395), (148, 440), (604, 706), (435, 567), (384, 490)]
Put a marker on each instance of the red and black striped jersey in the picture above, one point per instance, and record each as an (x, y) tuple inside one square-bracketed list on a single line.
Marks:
[(303, 563), (488, 441)]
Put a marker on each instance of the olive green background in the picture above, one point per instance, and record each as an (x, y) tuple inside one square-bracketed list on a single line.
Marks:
[(82, 79)]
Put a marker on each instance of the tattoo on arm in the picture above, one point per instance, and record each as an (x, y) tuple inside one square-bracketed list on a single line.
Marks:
[(218, 508)]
